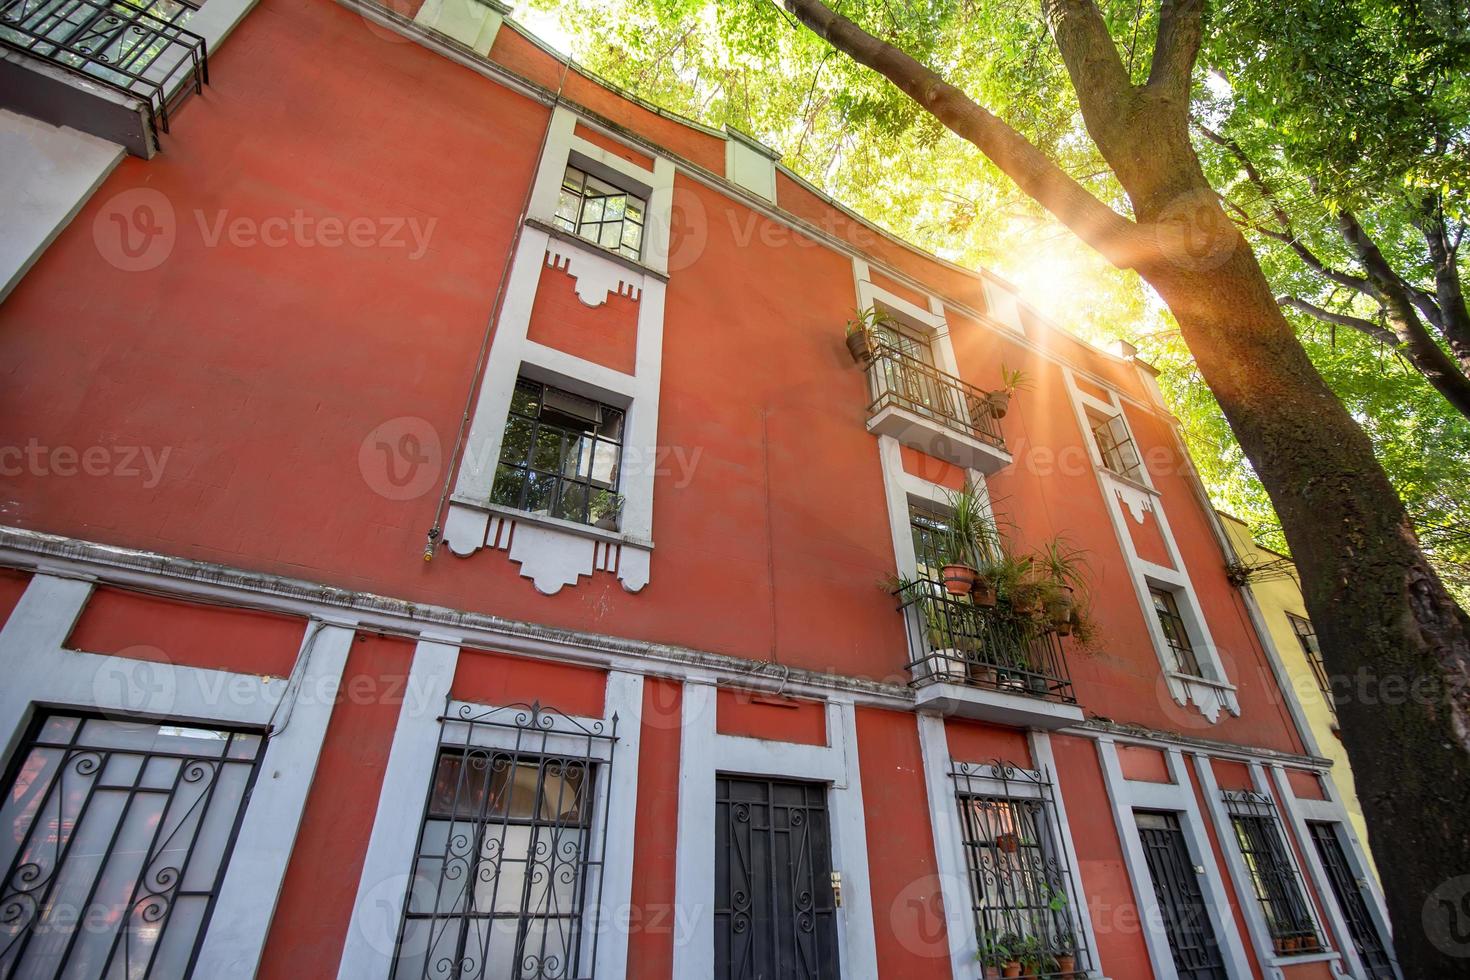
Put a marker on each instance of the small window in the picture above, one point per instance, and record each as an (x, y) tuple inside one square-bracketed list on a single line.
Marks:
[(1273, 873), (905, 341), (1115, 445), (930, 531), (560, 455), (1306, 635), (605, 215), (1166, 607)]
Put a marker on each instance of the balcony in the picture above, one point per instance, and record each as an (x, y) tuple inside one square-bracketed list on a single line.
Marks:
[(931, 411), (113, 68), (984, 662)]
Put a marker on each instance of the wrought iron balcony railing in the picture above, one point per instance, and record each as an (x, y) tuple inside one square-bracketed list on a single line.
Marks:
[(137, 48), (899, 380), (955, 641)]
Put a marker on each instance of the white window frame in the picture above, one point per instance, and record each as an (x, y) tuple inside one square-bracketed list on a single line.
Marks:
[(551, 552), (41, 672)]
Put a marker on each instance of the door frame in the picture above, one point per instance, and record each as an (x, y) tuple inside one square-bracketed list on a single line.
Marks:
[(1125, 796), (703, 753)]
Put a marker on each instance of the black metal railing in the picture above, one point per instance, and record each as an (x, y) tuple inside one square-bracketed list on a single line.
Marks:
[(135, 47), (898, 380), (956, 641)]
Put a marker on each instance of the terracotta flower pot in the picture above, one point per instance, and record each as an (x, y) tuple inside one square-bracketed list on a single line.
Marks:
[(1008, 844), (983, 674), (999, 402), (860, 346), (1011, 970), (992, 973), (983, 592), (958, 579), (1066, 963)]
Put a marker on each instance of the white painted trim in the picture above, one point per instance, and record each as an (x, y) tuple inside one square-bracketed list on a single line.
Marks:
[(40, 671), (252, 884), (372, 932), (949, 847), (554, 557), (1124, 499), (1178, 797), (624, 702), (1043, 759), (704, 753)]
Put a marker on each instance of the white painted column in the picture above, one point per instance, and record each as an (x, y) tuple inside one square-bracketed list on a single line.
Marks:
[(37, 627), (694, 860), (949, 848), (850, 847), (624, 701), (252, 884), (372, 932)]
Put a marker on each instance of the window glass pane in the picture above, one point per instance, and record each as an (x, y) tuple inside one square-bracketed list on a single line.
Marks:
[(614, 208), (540, 489), (632, 236), (566, 210), (573, 179), (509, 482), (605, 463), (526, 398), (516, 444), (634, 209), (612, 424), (547, 454), (592, 210), (572, 504), (611, 235)]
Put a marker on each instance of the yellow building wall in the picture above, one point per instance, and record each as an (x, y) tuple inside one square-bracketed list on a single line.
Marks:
[(1277, 595)]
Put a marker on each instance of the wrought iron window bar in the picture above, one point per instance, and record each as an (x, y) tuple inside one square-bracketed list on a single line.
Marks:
[(511, 848), (1278, 883), (956, 641), (115, 842), (1019, 876), (900, 380), (137, 48)]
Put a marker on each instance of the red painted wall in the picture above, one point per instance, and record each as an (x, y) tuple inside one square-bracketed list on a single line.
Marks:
[(974, 742), (756, 715), (1305, 785), (1110, 899), (315, 906), (145, 627), (607, 334), (1143, 764), (652, 918), (490, 678), (909, 920), (304, 429), (13, 584)]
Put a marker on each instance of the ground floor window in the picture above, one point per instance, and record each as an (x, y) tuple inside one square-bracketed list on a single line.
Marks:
[(1273, 873), (1019, 879), (114, 838), (509, 854)]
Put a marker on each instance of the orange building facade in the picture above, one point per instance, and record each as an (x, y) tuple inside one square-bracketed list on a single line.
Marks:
[(446, 532)]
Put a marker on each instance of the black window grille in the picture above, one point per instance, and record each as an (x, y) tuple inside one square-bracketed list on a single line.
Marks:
[(1348, 889), (1306, 635), (137, 47), (1273, 873), (1176, 634), (603, 214), (929, 530), (1019, 876), (114, 838), (901, 374), (511, 849), (560, 455), (1115, 445)]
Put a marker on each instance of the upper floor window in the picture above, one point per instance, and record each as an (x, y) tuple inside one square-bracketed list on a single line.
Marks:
[(1115, 445), (1272, 872), (560, 455), (904, 341), (930, 533), (603, 214), (1306, 635), (1176, 634)]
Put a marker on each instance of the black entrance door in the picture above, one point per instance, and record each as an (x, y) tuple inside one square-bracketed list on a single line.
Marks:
[(775, 918), (1181, 904), (1350, 900)]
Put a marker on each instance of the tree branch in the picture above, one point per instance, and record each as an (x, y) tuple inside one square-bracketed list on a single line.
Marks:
[(1114, 236), (1287, 236), (1378, 332), (1181, 23)]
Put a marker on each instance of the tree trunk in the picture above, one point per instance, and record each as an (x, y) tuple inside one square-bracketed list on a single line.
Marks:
[(1395, 643), (1392, 637)]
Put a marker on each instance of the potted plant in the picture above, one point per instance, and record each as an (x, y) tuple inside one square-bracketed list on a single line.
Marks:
[(1034, 958), (993, 955), (1013, 948), (860, 334), (1063, 570), (1011, 382)]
